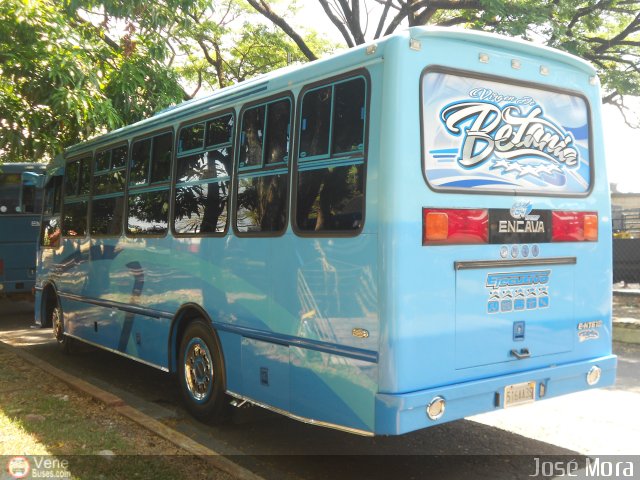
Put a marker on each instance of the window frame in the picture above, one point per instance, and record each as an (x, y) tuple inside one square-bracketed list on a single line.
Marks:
[(174, 182), (77, 198), (264, 169), (109, 148), (148, 186), (326, 161)]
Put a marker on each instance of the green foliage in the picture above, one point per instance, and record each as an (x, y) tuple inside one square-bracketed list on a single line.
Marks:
[(74, 68), (61, 82)]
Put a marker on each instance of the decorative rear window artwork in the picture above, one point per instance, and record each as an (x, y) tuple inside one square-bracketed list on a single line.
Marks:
[(484, 135)]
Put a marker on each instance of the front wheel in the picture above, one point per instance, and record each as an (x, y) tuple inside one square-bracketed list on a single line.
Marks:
[(201, 374), (57, 321)]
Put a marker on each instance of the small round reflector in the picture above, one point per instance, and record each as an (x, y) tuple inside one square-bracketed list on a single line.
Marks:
[(435, 409), (593, 376)]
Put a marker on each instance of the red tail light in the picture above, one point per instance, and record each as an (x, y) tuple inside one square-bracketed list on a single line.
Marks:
[(574, 226), (454, 226), (1, 266)]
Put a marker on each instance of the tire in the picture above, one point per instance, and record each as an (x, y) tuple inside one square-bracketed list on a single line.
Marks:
[(201, 374), (57, 322)]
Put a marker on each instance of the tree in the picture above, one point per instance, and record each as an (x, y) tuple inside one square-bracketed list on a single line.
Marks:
[(605, 32), (75, 68)]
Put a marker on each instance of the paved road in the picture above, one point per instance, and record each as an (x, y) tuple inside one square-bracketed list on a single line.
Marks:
[(594, 423)]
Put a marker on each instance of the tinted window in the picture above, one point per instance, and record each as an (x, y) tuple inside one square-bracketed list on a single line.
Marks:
[(31, 199), (110, 182), (107, 207), (201, 208), (157, 151), (148, 213), (106, 216), (220, 130), (10, 192), (200, 166), (252, 136), (262, 203), (103, 161), (75, 219), (203, 180), (71, 176), (330, 199), (191, 137), (277, 141), (261, 196), (330, 195), (85, 176), (161, 160), (53, 196), (348, 116), (140, 155), (315, 122), (119, 157)]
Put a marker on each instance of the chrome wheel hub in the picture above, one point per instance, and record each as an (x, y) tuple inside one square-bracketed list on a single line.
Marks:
[(58, 327), (198, 369)]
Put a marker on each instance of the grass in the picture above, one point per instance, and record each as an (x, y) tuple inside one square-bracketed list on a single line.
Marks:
[(39, 416)]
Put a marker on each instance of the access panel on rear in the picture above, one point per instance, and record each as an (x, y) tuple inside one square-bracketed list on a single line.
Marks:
[(506, 314)]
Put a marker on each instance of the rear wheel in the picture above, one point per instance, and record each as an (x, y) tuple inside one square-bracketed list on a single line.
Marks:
[(201, 374), (57, 321)]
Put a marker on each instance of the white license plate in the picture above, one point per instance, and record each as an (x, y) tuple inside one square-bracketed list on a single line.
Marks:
[(519, 394)]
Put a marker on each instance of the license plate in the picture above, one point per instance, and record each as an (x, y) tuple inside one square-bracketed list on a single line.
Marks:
[(519, 394)]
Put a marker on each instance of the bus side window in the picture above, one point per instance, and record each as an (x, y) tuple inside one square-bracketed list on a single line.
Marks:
[(77, 185), (204, 177), (332, 126), (107, 202), (263, 169), (50, 235), (148, 199)]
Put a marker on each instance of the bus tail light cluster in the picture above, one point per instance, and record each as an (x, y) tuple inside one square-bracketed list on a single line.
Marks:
[(455, 226), (1, 266), (574, 226), (462, 226)]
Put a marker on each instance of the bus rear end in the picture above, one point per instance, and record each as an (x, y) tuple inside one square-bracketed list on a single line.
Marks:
[(497, 283), (20, 210)]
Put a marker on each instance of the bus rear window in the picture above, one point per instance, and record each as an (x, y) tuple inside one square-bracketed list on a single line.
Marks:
[(10, 192), (488, 135)]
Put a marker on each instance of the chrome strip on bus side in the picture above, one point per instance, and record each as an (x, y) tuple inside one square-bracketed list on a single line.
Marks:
[(306, 420), (271, 337), (287, 340), (531, 262), (147, 312), (130, 357)]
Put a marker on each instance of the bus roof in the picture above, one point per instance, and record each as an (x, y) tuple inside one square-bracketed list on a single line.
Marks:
[(283, 77), (501, 41), (19, 167)]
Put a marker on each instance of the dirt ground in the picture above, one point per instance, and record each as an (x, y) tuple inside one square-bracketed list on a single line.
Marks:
[(626, 308)]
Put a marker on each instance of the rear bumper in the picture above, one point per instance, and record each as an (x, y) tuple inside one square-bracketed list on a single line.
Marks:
[(402, 413), (9, 287)]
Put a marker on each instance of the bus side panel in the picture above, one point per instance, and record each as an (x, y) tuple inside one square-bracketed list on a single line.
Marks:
[(333, 389)]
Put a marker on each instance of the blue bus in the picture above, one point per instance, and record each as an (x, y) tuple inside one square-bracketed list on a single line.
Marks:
[(20, 210), (407, 233)]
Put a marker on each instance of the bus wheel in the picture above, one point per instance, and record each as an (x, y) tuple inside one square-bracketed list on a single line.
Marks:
[(57, 321), (201, 374)]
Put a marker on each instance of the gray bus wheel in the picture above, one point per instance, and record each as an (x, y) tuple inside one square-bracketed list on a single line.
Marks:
[(201, 374)]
